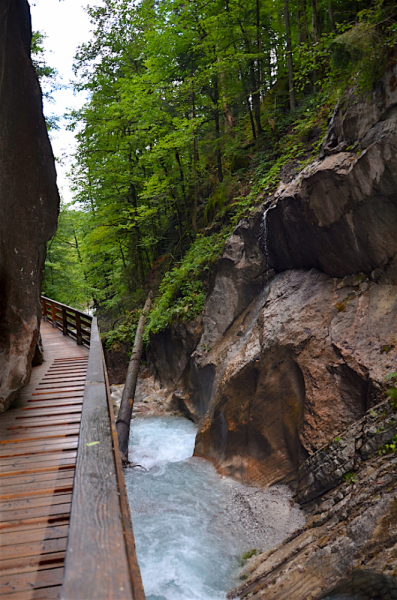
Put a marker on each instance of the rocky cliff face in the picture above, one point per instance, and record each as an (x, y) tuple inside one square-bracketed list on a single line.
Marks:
[(348, 545), (299, 328), (28, 199)]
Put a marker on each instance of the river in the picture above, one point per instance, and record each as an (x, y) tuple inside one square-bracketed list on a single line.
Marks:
[(192, 526)]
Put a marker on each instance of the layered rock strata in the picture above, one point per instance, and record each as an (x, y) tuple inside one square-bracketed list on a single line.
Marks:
[(28, 199), (349, 544)]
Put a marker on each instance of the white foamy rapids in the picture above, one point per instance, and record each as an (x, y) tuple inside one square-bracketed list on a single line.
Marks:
[(185, 551), (157, 441), (186, 517)]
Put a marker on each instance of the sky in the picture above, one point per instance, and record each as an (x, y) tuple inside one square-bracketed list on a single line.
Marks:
[(66, 25)]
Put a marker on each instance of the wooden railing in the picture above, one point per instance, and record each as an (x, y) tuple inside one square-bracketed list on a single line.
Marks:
[(70, 321), (101, 562)]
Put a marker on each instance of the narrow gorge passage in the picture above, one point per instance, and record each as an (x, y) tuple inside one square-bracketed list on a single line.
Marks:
[(191, 525)]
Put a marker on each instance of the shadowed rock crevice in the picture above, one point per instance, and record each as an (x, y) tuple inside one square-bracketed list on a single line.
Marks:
[(367, 585), (253, 433)]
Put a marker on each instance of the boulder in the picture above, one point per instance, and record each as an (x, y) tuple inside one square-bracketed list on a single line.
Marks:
[(303, 362), (29, 199), (338, 215)]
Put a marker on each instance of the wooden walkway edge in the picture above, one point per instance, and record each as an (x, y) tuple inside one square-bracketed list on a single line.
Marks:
[(62, 491), (98, 564)]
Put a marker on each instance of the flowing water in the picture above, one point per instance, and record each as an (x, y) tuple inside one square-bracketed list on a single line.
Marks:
[(189, 534)]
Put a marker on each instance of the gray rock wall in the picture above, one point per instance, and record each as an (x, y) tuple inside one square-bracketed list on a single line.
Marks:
[(342, 457), (29, 199), (294, 371), (348, 546)]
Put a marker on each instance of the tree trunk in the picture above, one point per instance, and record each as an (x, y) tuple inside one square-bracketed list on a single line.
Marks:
[(195, 161), (331, 16), (315, 31), (302, 21), (289, 56), (218, 151), (127, 400)]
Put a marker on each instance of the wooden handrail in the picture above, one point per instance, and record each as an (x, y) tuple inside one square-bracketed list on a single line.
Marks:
[(101, 561), (70, 321)]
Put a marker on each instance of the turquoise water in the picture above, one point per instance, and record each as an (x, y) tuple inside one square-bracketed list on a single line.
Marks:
[(185, 546)]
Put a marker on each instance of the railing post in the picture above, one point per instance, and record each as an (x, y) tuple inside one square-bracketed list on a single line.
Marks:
[(64, 321), (53, 315), (78, 326), (44, 308), (78, 330)]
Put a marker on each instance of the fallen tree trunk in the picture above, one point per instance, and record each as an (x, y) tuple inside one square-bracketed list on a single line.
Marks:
[(127, 400)]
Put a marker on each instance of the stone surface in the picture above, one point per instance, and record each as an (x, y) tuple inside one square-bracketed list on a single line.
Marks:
[(170, 350), (299, 327), (349, 544), (338, 214), (326, 468), (237, 278), (28, 199), (302, 363)]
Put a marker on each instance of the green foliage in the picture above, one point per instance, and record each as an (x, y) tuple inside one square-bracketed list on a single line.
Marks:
[(182, 291), (350, 478), (47, 75), (64, 276), (246, 556), (122, 333), (387, 448)]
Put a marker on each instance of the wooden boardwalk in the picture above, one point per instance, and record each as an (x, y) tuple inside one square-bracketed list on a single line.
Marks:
[(38, 448)]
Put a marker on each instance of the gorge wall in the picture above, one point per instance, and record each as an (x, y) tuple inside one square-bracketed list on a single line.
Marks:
[(299, 327), (29, 199)]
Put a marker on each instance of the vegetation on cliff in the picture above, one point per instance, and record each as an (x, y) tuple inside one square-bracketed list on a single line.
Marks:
[(195, 112)]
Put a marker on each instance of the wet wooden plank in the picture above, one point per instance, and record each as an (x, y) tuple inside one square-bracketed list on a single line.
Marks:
[(135, 574), (37, 446), (34, 502), (31, 563), (63, 396), (35, 480), (37, 466), (20, 490), (61, 382), (35, 548), (47, 593), (67, 387), (49, 421), (30, 512), (37, 534), (39, 433), (23, 461), (23, 581), (40, 411), (55, 517), (60, 464), (56, 403), (36, 523)]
